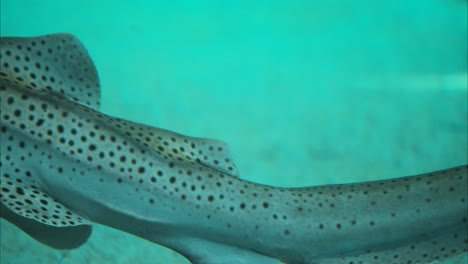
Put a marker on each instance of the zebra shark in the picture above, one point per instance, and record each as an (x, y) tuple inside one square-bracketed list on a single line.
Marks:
[(65, 165)]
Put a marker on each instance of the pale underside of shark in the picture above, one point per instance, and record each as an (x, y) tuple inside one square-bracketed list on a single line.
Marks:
[(65, 165)]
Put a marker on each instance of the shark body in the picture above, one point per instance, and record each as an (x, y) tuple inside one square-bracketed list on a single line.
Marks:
[(65, 165)]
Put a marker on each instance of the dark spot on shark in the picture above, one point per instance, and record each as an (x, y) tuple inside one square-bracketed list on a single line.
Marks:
[(19, 190)]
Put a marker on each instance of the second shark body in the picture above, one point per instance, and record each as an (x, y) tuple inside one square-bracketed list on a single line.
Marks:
[(65, 165)]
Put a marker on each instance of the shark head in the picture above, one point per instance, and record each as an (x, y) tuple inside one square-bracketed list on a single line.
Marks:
[(65, 165)]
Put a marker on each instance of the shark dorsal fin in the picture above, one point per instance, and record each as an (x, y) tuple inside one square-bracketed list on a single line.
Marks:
[(211, 153), (58, 63)]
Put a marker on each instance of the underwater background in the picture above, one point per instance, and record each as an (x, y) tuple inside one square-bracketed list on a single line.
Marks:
[(304, 92)]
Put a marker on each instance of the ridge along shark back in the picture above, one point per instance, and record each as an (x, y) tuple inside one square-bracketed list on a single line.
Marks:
[(65, 165)]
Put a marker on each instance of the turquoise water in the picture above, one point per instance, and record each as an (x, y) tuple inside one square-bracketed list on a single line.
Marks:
[(304, 92)]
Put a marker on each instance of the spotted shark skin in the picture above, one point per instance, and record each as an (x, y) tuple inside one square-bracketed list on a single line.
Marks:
[(65, 165)]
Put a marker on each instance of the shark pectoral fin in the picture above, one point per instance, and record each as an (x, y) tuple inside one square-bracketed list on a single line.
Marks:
[(24, 197), (57, 237), (58, 63), (24, 204)]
